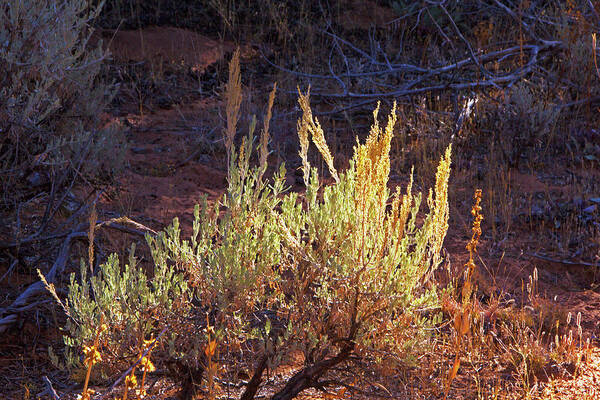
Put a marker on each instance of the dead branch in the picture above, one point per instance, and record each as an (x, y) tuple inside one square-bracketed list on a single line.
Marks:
[(10, 270), (408, 90), (36, 289), (393, 79), (563, 261), (256, 380), (49, 391), (309, 377), (26, 300)]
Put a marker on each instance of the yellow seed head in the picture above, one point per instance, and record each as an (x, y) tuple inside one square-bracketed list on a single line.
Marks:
[(147, 365), (441, 211), (131, 381), (233, 97), (309, 125), (92, 355), (264, 138)]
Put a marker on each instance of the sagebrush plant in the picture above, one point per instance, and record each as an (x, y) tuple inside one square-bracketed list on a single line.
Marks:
[(53, 92), (358, 269), (132, 304), (343, 272), (229, 266)]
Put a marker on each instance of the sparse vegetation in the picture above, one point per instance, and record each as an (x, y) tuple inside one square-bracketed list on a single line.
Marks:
[(248, 265)]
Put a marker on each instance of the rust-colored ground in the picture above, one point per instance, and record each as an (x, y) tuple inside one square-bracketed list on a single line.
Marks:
[(172, 45)]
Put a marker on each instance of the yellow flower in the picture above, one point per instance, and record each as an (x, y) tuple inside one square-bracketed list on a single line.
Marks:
[(148, 342), (92, 355), (85, 396), (131, 381), (147, 365)]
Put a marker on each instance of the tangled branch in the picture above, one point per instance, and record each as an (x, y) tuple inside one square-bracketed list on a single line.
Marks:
[(387, 77)]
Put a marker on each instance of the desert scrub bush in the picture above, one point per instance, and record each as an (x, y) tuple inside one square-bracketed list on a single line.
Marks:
[(229, 264), (52, 93), (343, 273), (133, 306), (232, 261), (358, 266)]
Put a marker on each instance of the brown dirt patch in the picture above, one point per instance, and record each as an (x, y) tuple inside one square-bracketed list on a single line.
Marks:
[(172, 45), (169, 167)]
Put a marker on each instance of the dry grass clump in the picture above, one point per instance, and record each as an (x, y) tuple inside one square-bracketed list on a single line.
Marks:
[(533, 342)]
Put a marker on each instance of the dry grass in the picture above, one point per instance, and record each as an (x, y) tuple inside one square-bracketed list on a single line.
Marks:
[(233, 98)]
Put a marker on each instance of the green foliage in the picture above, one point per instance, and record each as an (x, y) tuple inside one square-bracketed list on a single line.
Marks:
[(359, 268), (231, 256), (337, 271), (229, 263), (132, 305)]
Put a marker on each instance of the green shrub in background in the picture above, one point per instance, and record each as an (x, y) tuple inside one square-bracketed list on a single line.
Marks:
[(230, 265), (51, 94)]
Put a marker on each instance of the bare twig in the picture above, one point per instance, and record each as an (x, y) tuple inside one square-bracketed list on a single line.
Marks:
[(115, 223), (10, 269), (565, 262), (593, 8), (388, 78), (9, 315), (410, 88), (126, 373), (36, 289), (466, 42), (254, 383), (49, 391)]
